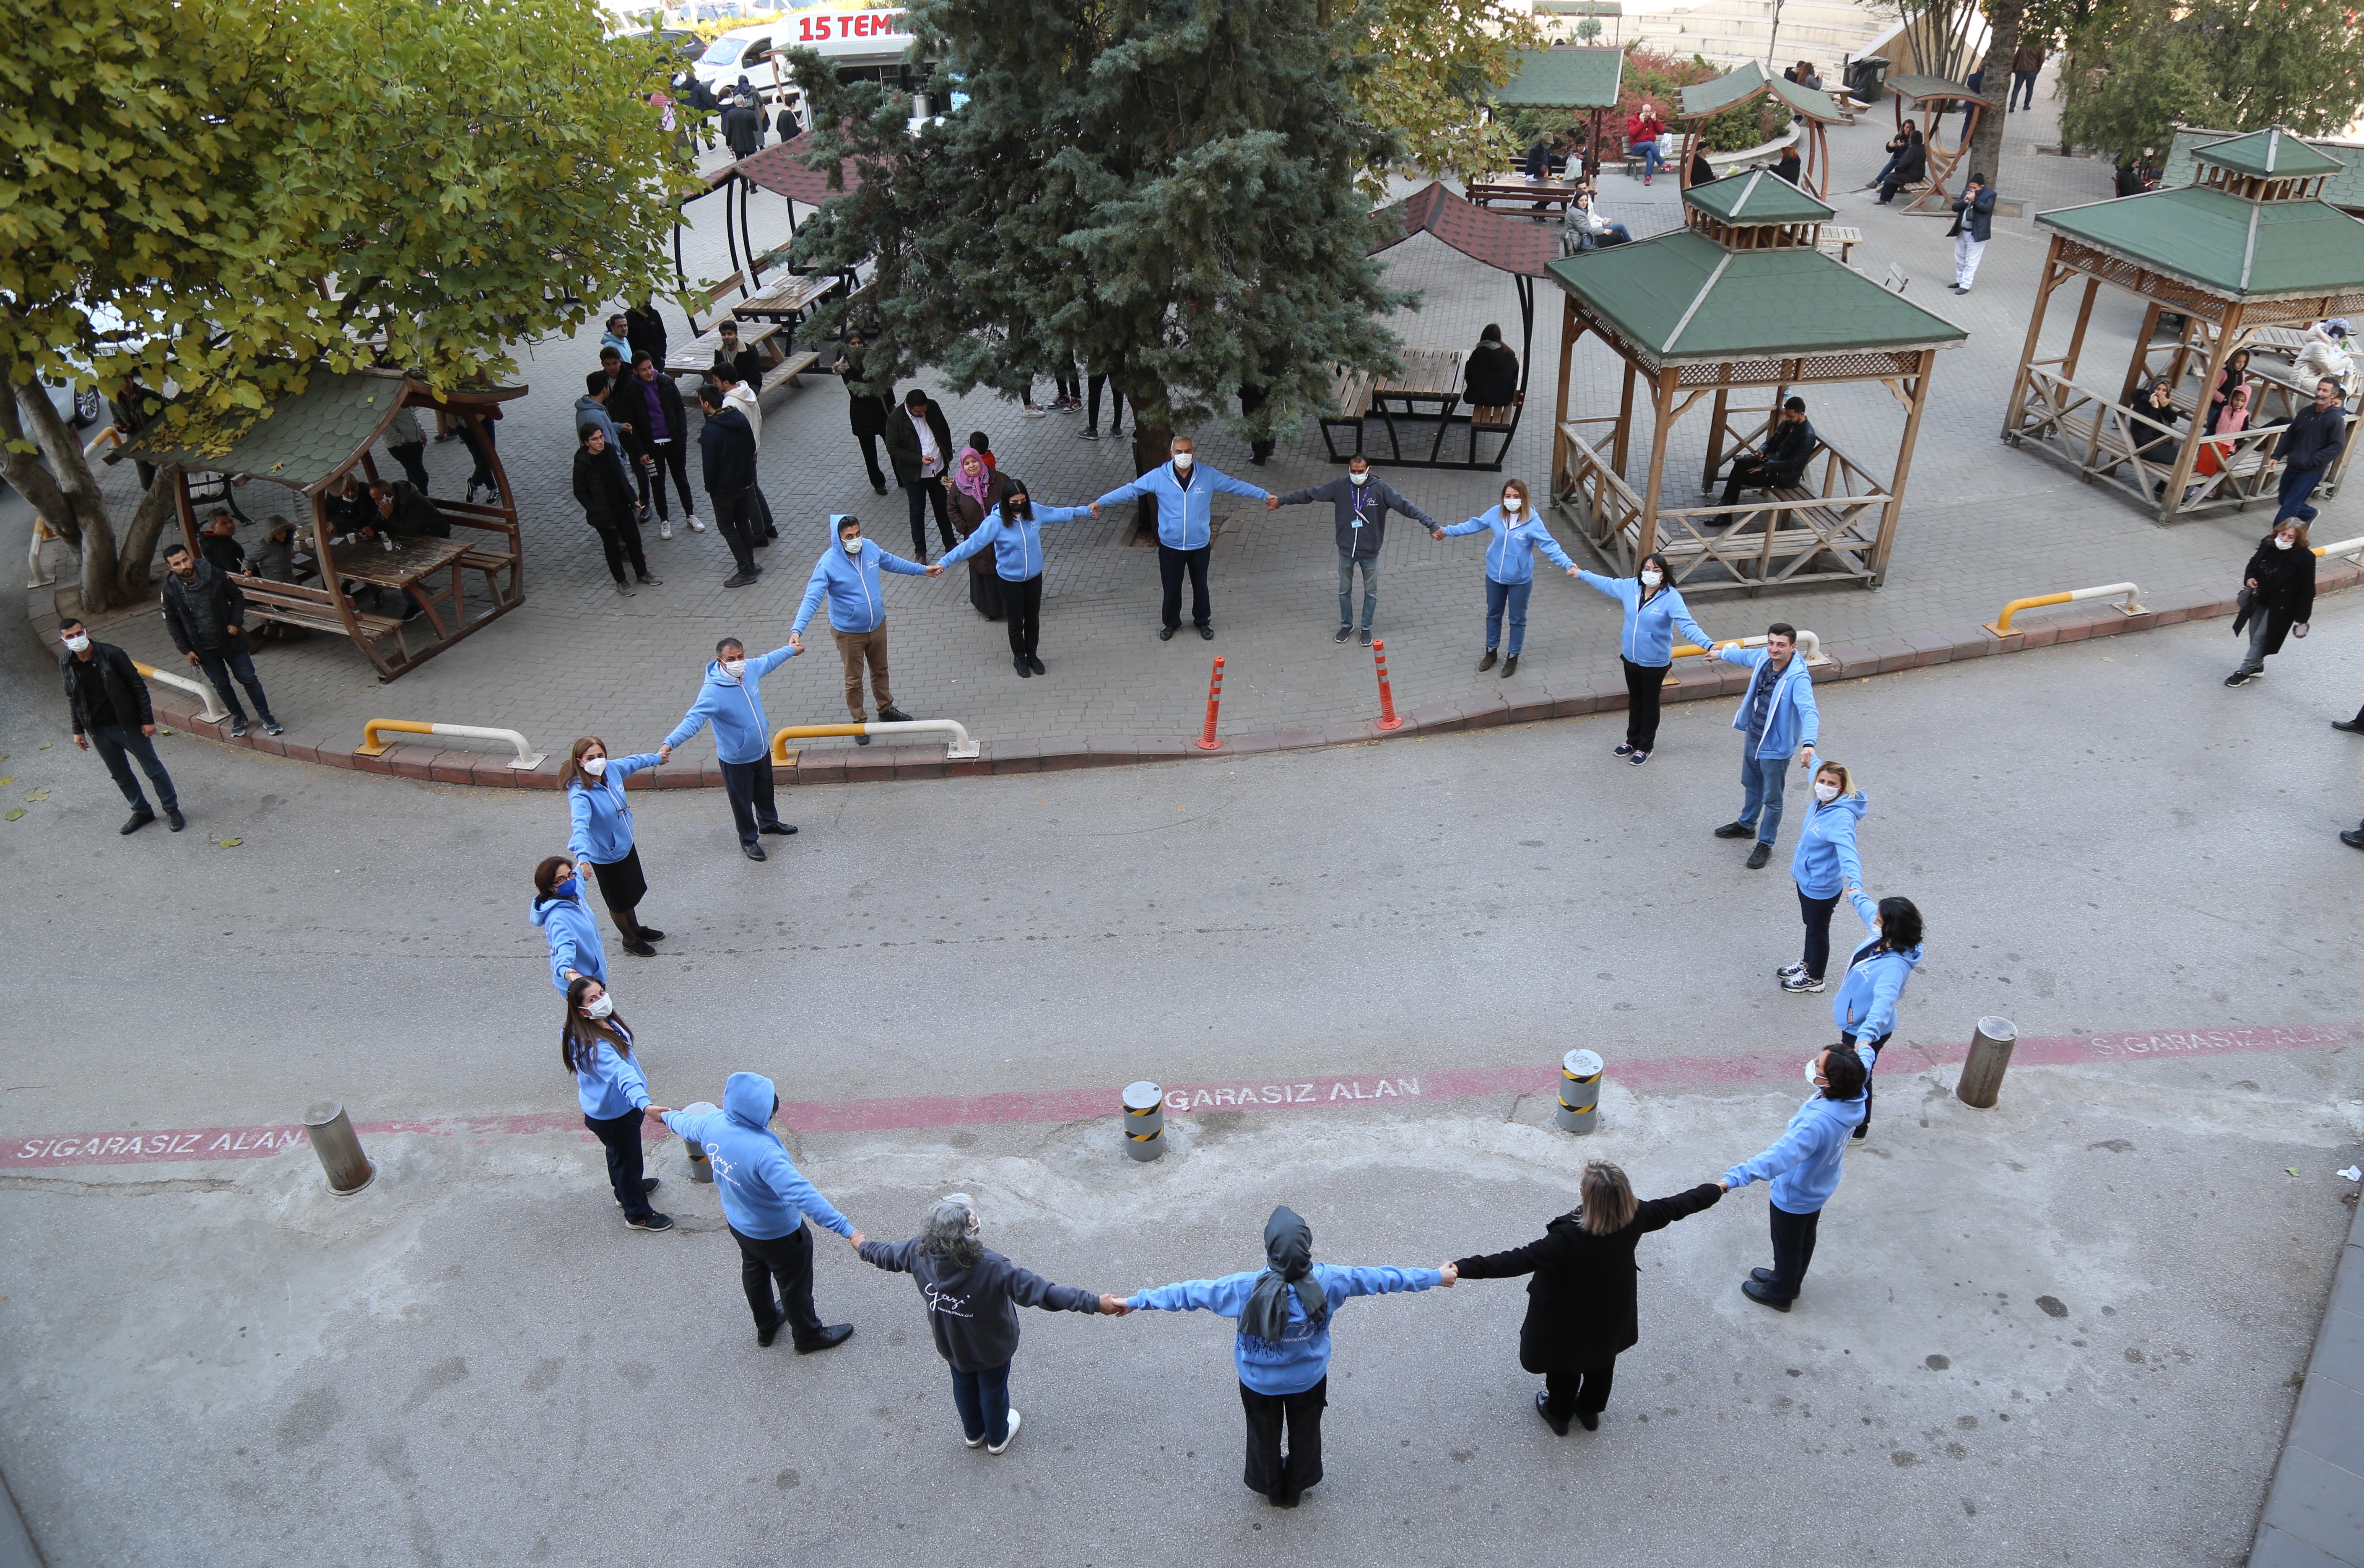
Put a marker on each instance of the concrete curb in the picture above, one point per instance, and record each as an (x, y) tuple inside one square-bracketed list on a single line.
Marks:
[(460, 764), (2314, 1515)]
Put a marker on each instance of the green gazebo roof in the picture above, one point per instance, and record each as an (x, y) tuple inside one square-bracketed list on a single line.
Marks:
[(1756, 197), (1707, 98), (1931, 87), (2233, 247), (1565, 78), (1682, 298), (304, 438), (2345, 188), (2271, 153)]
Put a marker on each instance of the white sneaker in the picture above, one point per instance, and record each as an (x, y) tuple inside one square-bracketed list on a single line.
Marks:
[(1788, 970), (1007, 1437), (1797, 983), (971, 1442), (664, 528), (694, 526)]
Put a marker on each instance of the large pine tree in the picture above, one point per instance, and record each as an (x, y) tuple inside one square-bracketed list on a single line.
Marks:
[(1161, 191)]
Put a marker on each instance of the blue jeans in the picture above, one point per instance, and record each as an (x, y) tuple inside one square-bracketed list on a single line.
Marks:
[(983, 1401), (2021, 81), (2298, 484), (1370, 565), (1512, 596), (1651, 161), (1762, 780), (112, 741), (221, 664)]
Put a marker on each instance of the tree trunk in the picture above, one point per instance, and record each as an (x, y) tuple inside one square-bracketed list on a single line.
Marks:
[(158, 507), (1986, 148), (65, 492), (1153, 437)]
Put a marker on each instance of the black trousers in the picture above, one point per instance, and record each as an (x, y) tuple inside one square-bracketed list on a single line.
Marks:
[(869, 439), (1848, 1042), (671, 453), (111, 741), (1567, 1393), (622, 1135), (1793, 1249), (1749, 476), (413, 459), (787, 1259), (734, 523), (621, 540), (1645, 685), (1021, 605), (1092, 407), (749, 785), (1278, 1479), (1816, 913), (922, 492), (1171, 564)]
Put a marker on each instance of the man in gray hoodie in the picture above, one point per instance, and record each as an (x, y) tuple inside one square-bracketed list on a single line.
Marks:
[(1360, 501)]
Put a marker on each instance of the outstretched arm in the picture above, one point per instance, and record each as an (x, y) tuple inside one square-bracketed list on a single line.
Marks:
[(1360, 1280), (1227, 1295), (1792, 1150)]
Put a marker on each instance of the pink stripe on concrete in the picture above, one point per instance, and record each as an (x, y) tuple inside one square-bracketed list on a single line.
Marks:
[(1322, 1091)]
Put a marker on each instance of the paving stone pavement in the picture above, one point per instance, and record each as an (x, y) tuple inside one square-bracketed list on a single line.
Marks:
[(1983, 523)]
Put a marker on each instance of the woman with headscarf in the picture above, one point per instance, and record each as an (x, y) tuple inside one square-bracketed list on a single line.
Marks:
[(973, 1295), (976, 489), (1283, 1347), (2235, 374), (1580, 1304)]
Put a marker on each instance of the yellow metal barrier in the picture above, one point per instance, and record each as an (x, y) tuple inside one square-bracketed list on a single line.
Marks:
[(2001, 625), (373, 744), (957, 745)]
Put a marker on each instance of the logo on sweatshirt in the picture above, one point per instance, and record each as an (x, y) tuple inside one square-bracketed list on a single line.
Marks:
[(942, 1301)]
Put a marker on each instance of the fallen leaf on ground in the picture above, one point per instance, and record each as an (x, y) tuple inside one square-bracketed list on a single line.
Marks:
[(234, 843), (15, 812), (8, 779), (2292, 1169), (38, 794), (46, 744)]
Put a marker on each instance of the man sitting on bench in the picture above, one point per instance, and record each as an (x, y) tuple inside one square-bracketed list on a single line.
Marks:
[(1783, 462)]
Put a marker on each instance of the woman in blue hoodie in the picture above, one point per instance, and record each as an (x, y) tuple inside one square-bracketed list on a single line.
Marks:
[(566, 923), (601, 837), (1014, 529), (1824, 866), (1517, 533), (598, 1049), (1865, 1008), (1653, 613), (1283, 1349)]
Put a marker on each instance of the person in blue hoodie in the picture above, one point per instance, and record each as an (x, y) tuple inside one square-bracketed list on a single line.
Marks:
[(600, 836), (567, 924), (765, 1200), (732, 699), (1282, 1351), (1517, 534), (1824, 866), (1653, 613), (1184, 494), (1803, 1169), (1865, 1008), (847, 576), (1014, 529), (1778, 720), (596, 1048)]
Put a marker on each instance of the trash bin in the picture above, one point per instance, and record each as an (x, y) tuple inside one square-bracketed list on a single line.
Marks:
[(1867, 78)]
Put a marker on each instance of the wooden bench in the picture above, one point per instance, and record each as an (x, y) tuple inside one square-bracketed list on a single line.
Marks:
[(708, 298), (294, 604), (1352, 391), (696, 356)]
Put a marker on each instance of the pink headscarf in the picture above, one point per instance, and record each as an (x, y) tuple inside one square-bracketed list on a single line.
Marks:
[(974, 489)]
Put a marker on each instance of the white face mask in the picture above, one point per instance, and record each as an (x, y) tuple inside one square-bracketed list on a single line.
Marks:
[(77, 644), (1652, 579), (1509, 505), (601, 1008), (595, 766), (734, 668), (1361, 478), (1813, 1065), (854, 545), (1826, 793), (1182, 462), (2282, 543)]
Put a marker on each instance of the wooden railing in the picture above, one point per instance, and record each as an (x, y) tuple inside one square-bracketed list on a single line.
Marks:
[(2113, 444)]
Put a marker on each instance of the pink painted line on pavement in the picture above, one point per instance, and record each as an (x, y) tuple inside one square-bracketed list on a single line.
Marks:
[(1367, 1089)]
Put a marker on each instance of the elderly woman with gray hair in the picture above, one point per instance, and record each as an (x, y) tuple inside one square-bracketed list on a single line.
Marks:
[(973, 1295)]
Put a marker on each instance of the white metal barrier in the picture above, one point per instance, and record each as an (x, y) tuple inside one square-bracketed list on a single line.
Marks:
[(373, 745), (957, 745), (214, 713)]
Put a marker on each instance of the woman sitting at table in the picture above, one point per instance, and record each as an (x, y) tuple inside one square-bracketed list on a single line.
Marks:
[(1592, 231), (1490, 376)]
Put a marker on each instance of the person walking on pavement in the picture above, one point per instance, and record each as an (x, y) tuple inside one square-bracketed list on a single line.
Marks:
[(726, 454), (1824, 865), (566, 923), (973, 1295), (1185, 496), (2309, 447), (732, 699), (847, 576), (206, 617), (1778, 720), (1359, 504), (597, 1046), (1282, 1351), (2277, 596), (742, 129), (1973, 226), (765, 1200), (920, 445), (644, 329), (607, 507), (600, 834), (2026, 62), (1517, 533), (1655, 611), (1865, 1008), (655, 404), (1803, 1168), (865, 404), (109, 704), (1582, 1309), (978, 487), (1014, 530)]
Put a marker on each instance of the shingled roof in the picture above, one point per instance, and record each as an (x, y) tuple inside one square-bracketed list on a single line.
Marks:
[(1565, 79), (1754, 198), (2344, 188), (2233, 247), (305, 438), (1705, 99), (780, 168), (1507, 244)]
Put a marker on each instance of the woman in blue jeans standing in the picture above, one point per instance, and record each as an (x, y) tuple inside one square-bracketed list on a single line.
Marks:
[(1517, 533), (598, 1049)]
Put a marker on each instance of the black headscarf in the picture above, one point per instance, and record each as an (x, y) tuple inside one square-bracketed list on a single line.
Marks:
[(1288, 1249)]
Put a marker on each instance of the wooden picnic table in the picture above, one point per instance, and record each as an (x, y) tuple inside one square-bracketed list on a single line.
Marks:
[(1430, 376), (696, 356), (1841, 237), (1541, 197), (402, 564), (789, 299)]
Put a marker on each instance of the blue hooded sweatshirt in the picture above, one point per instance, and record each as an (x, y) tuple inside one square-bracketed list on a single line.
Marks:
[(1866, 1005), (610, 1086), (1186, 507), (1511, 553), (764, 1196), (574, 936), (1649, 635), (1826, 864), (1805, 1165), (602, 832), (741, 733), (1017, 543), (1793, 721), (1301, 1357), (851, 583)]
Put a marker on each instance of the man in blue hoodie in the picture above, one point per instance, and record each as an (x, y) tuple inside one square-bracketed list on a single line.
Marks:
[(765, 1200), (847, 576), (1803, 1169), (1184, 494), (732, 699), (1777, 717)]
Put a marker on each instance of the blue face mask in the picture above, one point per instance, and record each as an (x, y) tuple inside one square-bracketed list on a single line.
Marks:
[(566, 886)]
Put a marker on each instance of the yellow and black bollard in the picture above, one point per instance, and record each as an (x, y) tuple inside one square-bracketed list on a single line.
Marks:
[(1144, 1120), (1579, 1092)]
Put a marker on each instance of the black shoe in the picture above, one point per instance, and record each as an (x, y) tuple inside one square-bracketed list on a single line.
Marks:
[(1018, 662), (1735, 830), (1543, 1408), (2237, 678), (1206, 633), (1366, 637), (740, 580), (1487, 662), (138, 819), (779, 829), (1285, 1499), (654, 1222), (173, 816), (879, 486), (1509, 666), (650, 934), (1759, 855), (639, 949), (836, 1334), (770, 1331), (1762, 1277), (862, 741), (1625, 749), (1763, 1295), (1862, 1130), (753, 852), (1087, 434), (649, 581), (1342, 634), (1591, 1419), (237, 726), (2354, 839), (2353, 727), (1166, 634), (1037, 665), (649, 1183), (761, 541), (893, 716)]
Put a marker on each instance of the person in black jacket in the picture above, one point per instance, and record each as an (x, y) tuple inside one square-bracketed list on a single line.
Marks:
[(1910, 167), (726, 454), (1787, 166), (109, 702), (1973, 226), (206, 616), (2278, 597), (607, 507), (1581, 1312), (1783, 462), (645, 330), (865, 404), (218, 543), (652, 403), (746, 362), (402, 512), (742, 128), (920, 445), (1490, 377), (1360, 503), (2309, 448)]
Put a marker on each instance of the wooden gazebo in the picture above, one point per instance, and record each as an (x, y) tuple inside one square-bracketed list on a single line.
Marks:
[(2245, 254), (1811, 110), (1739, 298), (308, 441), (1580, 79), (1936, 98)]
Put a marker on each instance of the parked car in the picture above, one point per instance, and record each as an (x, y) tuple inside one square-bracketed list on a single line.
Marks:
[(681, 46), (748, 52)]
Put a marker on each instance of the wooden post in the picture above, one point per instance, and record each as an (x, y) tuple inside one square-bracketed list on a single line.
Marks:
[(1893, 513), (1568, 332), (337, 594), (187, 513), (1981, 1080), (2015, 411), (2136, 366), (2077, 337), (1624, 422), (1662, 397), (1714, 441), (2170, 500)]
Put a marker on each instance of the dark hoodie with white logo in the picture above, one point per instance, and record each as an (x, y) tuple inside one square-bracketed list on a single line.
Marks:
[(972, 1307)]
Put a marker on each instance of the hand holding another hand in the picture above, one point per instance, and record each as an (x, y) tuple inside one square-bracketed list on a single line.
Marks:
[(664, 753), (1113, 1306), (1451, 1273), (1272, 503), (936, 569), (855, 1239)]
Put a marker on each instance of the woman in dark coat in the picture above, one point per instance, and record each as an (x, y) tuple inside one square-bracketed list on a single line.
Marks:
[(1490, 376), (865, 405), (610, 508), (1580, 1303), (976, 488), (1911, 166), (2279, 580)]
